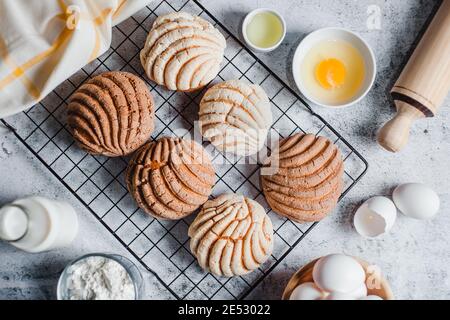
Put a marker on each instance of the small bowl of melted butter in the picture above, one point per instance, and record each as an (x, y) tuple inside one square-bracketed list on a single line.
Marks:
[(263, 30)]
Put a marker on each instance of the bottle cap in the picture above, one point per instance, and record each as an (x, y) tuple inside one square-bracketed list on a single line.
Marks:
[(13, 223)]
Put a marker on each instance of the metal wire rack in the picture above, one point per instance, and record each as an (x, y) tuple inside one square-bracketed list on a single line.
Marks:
[(162, 247)]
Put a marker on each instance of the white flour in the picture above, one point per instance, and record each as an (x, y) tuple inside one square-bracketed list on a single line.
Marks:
[(99, 278)]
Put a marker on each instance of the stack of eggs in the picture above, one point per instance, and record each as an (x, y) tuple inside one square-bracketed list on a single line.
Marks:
[(336, 277)]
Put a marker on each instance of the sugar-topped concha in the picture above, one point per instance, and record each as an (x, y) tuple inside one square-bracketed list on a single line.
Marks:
[(231, 236), (235, 116), (182, 52), (170, 178), (111, 114), (307, 180)]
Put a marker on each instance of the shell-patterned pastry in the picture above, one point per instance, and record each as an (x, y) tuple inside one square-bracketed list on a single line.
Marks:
[(231, 236), (308, 180), (235, 117), (182, 52), (170, 178), (111, 114)]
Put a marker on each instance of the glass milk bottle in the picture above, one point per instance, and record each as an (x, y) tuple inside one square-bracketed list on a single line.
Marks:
[(38, 224)]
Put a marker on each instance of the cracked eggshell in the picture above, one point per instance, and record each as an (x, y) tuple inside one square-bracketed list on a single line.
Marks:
[(307, 291), (416, 200), (375, 217)]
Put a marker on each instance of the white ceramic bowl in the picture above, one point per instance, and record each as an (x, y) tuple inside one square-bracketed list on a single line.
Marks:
[(249, 18), (341, 34)]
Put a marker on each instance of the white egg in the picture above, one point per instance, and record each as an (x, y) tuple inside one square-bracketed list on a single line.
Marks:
[(375, 217), (372, 297), (417, 201), (339, 296), (307, 291), (338, 273), (360, 292)]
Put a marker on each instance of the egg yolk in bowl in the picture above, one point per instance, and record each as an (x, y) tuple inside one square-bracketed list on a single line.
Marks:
[(333, 72), (330, 73)]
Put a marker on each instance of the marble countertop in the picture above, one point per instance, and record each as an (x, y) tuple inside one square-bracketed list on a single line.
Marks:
[(415, 255)]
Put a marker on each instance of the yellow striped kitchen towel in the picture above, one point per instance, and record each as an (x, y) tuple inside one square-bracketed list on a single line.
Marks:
[(43, 42)]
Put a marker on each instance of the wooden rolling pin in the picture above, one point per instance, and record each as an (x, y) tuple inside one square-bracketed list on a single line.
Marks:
[(423, 84)]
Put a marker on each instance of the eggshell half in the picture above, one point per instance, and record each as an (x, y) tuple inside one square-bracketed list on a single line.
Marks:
[(307, 291), (375, 217), (338, 273), (417, 201)]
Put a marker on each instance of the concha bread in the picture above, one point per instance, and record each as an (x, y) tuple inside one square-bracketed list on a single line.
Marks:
[(111, 114), (235, 117), (182, 52), (309, 178), (170, 178), (231, 236)]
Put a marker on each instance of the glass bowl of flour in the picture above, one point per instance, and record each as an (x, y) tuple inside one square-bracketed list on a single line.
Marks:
[(100, 276)]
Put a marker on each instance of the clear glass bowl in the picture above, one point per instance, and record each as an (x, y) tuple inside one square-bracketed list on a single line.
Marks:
[(130, 267)]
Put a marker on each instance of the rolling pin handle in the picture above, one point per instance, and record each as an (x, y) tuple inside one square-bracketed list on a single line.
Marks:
[(423, 84), (395, 134)]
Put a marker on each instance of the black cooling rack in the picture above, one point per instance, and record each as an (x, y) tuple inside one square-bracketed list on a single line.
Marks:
[(162, 247)]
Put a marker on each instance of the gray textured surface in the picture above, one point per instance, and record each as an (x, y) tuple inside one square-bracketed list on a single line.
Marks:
[(415, 255)]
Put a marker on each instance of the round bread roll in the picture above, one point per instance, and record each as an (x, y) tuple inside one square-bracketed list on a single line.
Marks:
[(308, 180), (231, 236), (235, 117), (111, 114), (170, 178), (182, 52)]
